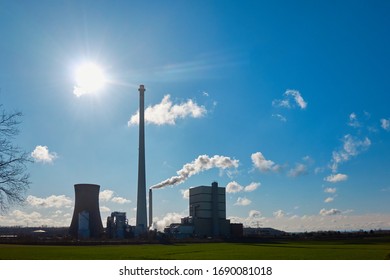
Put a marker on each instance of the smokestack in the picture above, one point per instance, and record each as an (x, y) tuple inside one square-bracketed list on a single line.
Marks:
[(150, 208), (86, 221), (141, 219)]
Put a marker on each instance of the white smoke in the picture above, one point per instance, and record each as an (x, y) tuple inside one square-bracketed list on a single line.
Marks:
[(202, 163)]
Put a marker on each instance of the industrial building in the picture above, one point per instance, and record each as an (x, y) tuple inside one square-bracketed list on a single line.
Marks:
[(207, 209), (117, 226), (86, 221)]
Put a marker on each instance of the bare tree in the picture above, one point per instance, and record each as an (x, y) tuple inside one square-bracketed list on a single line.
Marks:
[(14, 180)]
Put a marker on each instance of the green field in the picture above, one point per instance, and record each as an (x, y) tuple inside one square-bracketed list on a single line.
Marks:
[(302, 250)]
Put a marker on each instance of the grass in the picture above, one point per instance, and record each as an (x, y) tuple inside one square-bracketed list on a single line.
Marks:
[(301, 250)]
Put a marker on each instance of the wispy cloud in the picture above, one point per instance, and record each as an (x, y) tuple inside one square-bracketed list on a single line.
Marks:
[(352, 147), (264, 165), (353, 120), (167, 113), (335, 178), (280, 117), (53, 201), (200, 164), (330, 190), (289, 96), (42, 154), (299, 170), (385, 124)]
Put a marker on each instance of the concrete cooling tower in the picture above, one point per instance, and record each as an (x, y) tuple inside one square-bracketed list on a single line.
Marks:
[(86, 221)]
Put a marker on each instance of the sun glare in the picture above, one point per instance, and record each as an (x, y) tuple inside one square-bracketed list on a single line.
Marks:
[(89, 78)]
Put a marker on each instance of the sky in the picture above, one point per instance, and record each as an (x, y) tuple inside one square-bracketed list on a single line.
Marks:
[(283, 103)]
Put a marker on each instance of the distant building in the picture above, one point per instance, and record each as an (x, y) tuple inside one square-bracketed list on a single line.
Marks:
[(207, 208), (117, 225), (208, 211)]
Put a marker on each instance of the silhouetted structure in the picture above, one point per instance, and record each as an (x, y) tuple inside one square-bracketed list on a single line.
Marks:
[(141, 219), (117, 225), (150, 208), (86, 221), (208, 211), (207, 215)]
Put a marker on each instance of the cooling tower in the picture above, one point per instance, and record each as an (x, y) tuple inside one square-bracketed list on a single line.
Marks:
[(86, 221)]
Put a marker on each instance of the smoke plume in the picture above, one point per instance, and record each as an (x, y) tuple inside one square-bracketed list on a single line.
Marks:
[(202, 163)]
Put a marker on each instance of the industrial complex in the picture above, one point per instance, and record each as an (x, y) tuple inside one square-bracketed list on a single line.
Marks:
[(207, 207)]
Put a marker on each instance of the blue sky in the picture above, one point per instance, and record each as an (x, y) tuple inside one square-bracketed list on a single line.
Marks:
[(286, 104)]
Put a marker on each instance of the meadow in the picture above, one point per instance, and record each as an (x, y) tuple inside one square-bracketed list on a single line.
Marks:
[(297, 250)]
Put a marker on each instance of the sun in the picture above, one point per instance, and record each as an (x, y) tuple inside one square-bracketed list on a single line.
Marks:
[(89, 78)]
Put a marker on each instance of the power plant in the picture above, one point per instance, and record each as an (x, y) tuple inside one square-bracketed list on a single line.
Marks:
[(86, 222), (207, 206)]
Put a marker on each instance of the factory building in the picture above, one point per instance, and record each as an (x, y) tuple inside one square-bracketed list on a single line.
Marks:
[(117, 226), (207, 209)]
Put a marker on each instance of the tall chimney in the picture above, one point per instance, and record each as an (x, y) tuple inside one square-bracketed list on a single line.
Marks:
[(141, 219), (150, 208)]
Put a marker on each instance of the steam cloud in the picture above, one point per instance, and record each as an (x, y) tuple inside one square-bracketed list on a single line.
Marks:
[(202, 163)]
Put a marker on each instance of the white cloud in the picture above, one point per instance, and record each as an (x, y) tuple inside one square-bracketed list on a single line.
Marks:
[(330, 212), (167, 113), (385, 124), (105, 209), (106, 195), (296, 95), (351, 147), (254, 214), (120, 200), (242, 201), (330, 190), (42, 154), (53, 201), (280, 117), (299, 170), (263, 164), (279, 214), (329, 199), (185, 193), (353, 120), (202, 163), (168, 219), (335, 178), (252, 187), (234, 187)]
